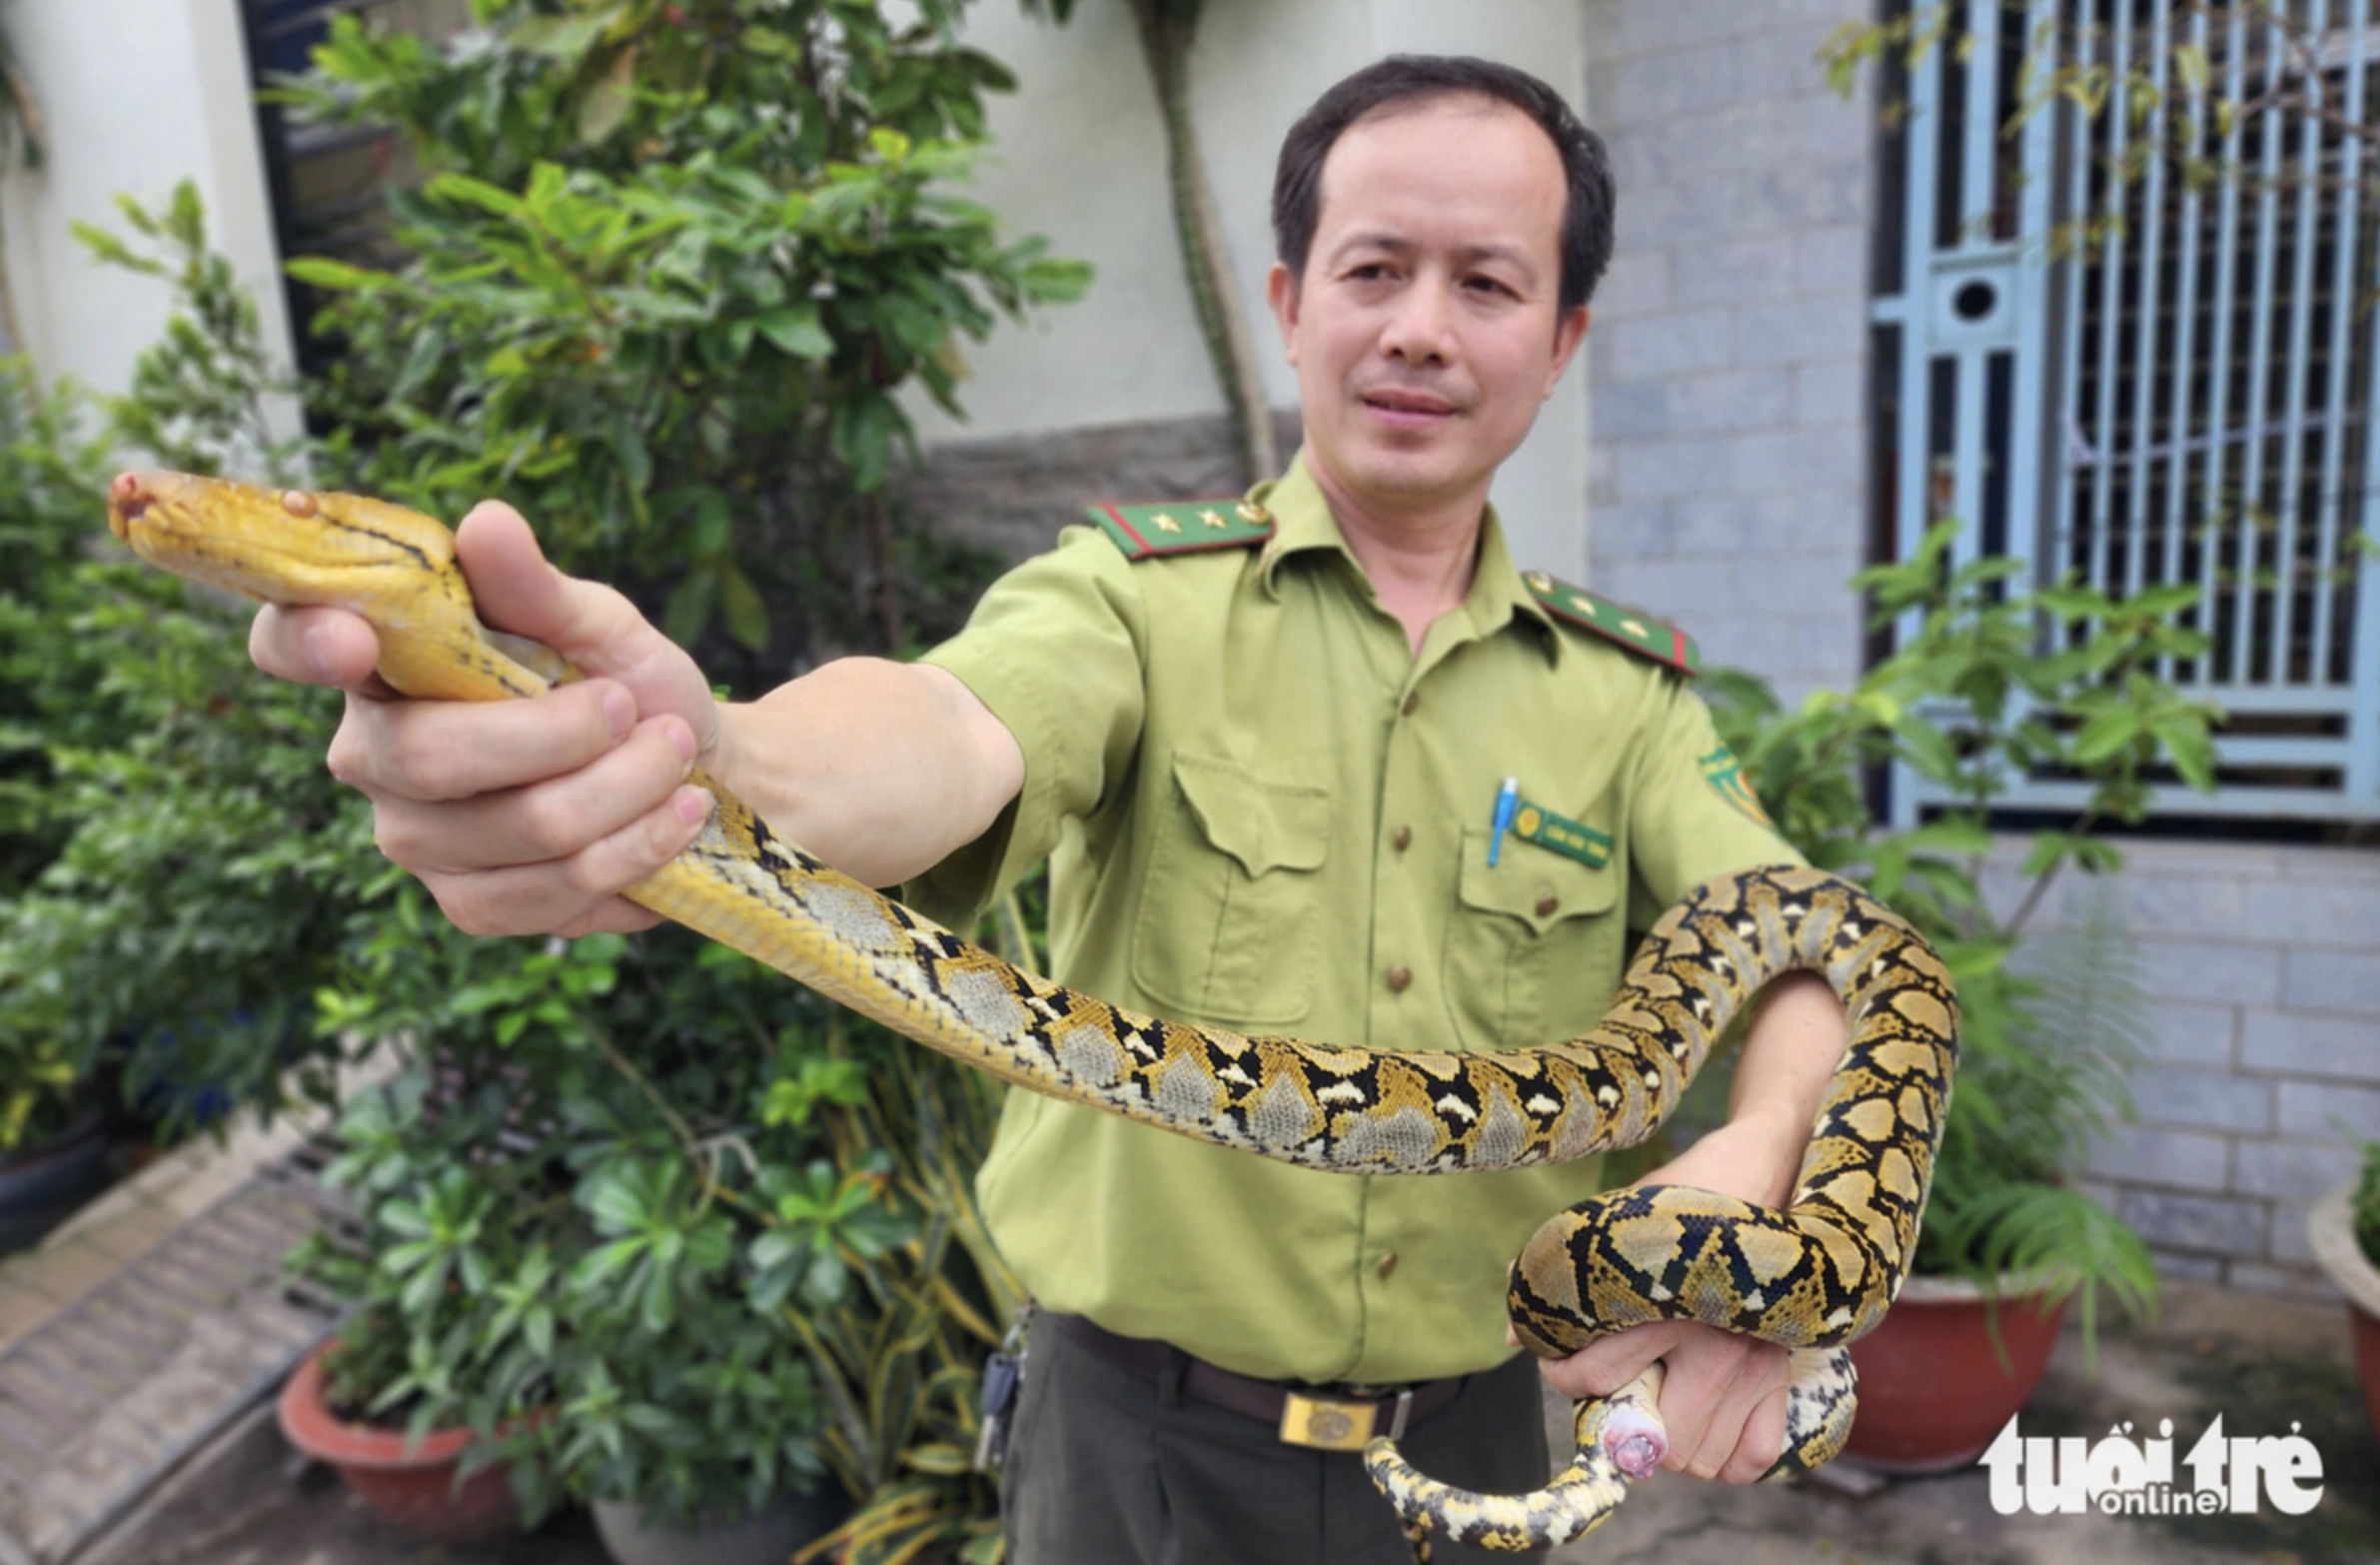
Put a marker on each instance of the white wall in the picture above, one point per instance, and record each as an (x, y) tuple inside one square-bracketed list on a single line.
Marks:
[(137, 95), (141, 93), (1080, 159)]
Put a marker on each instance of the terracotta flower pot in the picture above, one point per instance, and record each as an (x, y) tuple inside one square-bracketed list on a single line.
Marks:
[(409, 1484), (2330, 1231), (1933, 1389)]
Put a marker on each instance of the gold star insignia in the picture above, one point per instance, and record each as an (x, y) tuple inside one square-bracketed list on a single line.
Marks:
[(1634, 629), (1583, 604), (1250, 511), (1167, 524), (1211, 518), (1539, 581)]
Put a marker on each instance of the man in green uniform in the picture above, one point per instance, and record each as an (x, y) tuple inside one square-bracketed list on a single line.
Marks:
[(1321, 761)]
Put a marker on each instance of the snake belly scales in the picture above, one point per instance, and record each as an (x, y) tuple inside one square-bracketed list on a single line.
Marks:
[(1811, 1278)]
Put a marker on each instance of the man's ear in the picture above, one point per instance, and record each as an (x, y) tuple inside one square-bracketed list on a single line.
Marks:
[(1568, 332), (1281, 292)]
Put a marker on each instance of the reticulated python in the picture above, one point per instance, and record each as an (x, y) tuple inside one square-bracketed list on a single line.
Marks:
[(1811, 1277)]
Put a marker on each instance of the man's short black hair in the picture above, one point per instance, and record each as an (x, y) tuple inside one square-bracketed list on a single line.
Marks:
[(1414, 79)]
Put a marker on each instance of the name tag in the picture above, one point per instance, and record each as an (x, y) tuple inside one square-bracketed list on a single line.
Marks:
[(1571, 838)]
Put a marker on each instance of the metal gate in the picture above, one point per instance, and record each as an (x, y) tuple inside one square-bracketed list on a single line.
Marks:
[(2189, 399)]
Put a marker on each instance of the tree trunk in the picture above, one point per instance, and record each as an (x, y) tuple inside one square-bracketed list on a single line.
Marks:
[(1166, 37)]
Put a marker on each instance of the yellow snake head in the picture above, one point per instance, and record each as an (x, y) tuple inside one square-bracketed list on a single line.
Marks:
[(393, 565)]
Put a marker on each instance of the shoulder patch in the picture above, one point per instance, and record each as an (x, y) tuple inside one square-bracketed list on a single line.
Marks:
[(1181, 526), (1638, 632)]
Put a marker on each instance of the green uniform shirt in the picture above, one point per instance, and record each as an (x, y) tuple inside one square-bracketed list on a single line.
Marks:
[(1263, 811)]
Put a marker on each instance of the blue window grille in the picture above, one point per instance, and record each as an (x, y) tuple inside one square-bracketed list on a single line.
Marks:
[(2190, 400)]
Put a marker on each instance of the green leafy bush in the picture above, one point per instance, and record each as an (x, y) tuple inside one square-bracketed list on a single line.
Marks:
[(668, 271), (654, 1189), (1991, 678), (175, 864), (45, 674), (627, 1208)]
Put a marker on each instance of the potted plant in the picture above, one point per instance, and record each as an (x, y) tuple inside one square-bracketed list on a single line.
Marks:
[(2343, 1229), (657, 1128), (436, 1483), (52, 1149), (901, 1366), (161, 855), (1989, 677), (431, 1400), (600, 1204), (2008, 1240), (171, 853)]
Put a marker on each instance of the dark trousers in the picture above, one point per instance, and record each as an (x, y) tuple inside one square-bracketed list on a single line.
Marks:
[(1104, 1469)]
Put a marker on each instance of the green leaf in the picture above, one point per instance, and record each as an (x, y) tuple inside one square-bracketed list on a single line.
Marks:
[(492, 199), (2107, 732), (1950, 835), (2162, 601), (564, 38), (689, 610), (113, 251), (939, 1458), (617, 1205), (1927, 748), (659, 1306), (746, 611), (327, 272), (796, 332), (598, 1266)]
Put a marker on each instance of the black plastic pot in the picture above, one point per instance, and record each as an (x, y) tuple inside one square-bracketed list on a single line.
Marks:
[(41, 1186)]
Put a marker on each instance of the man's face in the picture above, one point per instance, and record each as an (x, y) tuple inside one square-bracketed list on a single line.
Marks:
[(1424, 329)]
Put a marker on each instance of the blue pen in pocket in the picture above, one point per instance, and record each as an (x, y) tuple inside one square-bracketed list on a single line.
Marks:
[(1507, 799)]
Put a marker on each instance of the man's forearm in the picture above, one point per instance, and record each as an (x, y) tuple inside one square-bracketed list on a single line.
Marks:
[(1789, 1053), (881, 768)]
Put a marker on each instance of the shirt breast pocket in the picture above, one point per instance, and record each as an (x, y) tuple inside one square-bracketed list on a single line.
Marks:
[(1533, 942), (1225, 931)]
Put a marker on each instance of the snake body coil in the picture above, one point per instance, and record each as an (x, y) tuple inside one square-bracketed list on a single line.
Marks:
[(1811, 1277)]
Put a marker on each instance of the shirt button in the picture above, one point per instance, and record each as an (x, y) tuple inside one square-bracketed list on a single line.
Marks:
[(1399, 978), (1413, 699), (1401, 838), (1547, 904), (1386, 1265)]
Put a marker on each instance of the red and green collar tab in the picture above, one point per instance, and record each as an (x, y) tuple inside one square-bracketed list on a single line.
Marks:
[(1181, 526), (1638, 632)]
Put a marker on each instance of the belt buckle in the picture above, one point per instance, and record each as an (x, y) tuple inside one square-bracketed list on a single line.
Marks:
[(1329, 1423)]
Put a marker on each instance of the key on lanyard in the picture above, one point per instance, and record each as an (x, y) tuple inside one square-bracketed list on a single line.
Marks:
[(1000, 1374)]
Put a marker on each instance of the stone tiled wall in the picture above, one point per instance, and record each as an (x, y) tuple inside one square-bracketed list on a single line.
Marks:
[(1728, 356), (1014, 493), (2262, 966)]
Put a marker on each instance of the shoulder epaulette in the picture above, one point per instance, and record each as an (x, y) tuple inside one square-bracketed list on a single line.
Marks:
[(1638, 632), (1181, 526)]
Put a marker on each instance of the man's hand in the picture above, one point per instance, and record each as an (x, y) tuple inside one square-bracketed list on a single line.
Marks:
[(522, 817), (1724, 1399)]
